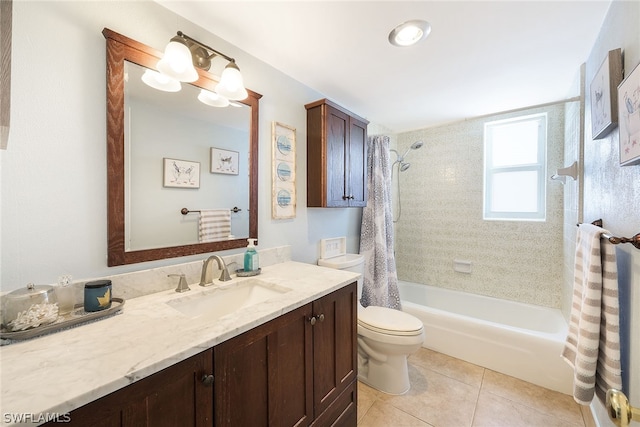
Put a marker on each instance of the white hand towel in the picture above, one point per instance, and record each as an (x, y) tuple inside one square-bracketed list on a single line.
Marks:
[(214, 225), (592, 347)]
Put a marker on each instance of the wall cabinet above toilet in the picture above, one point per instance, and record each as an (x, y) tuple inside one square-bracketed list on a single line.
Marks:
[(336, 156)]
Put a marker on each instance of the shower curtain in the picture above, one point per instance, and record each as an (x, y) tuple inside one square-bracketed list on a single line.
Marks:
[(380, 281)]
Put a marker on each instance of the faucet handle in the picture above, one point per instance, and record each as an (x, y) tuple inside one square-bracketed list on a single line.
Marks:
[(182, 284), (224, 274)]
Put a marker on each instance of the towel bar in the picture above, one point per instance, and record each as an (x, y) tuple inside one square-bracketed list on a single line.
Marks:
[(185, 211), (635, 240)]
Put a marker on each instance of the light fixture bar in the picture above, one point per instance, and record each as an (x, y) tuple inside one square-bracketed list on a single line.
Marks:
[(192, 40)]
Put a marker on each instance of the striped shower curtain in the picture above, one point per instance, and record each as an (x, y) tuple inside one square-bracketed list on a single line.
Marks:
[(380, 281)]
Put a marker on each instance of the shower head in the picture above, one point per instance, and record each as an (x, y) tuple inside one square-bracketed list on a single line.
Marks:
[(404, 166), (414, 146)]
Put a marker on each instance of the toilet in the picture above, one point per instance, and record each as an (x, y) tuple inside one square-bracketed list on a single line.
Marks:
[(385, 336)]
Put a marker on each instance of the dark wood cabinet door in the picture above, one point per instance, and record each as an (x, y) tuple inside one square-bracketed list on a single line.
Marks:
[(173, 397), (264, 376), (334, 346), (337, 158), (357, 163)]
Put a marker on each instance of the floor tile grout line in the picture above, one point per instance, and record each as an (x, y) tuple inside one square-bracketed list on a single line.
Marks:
[(533, 408), (475, 407)]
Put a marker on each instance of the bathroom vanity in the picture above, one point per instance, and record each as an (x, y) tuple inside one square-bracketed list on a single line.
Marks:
[(289, 360)]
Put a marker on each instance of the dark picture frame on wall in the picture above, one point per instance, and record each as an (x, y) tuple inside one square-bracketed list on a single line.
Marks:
[(604, 95), (629, 115)]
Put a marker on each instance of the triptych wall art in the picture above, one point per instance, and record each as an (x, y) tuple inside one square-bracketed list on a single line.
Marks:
[(283, 189), (616, 102)]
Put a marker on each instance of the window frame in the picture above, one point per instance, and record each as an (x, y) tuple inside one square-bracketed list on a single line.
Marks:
[(540, 167)]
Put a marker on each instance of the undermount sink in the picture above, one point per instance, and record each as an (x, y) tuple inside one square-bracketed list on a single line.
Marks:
[(227, 299)]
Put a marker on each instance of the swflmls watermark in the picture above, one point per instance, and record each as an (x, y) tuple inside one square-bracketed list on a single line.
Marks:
[(22, 418)]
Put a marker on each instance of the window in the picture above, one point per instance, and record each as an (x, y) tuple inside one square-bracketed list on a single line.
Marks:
[(515, 168)]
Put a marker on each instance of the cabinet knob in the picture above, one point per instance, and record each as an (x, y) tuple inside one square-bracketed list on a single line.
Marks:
[(207, 380), (321, 317), (312, 320)]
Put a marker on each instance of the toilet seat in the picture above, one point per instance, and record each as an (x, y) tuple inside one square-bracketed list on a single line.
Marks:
[(389, 321)]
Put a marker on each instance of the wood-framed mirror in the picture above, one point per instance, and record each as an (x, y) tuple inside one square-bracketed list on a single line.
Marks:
[(125, 54)]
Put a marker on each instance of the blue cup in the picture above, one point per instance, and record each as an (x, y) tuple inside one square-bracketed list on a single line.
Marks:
[(97, 295)]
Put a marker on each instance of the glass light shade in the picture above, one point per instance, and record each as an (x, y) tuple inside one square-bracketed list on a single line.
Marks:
[(231, 85), (177, 63), (212, 99), (161, 82), (409, 33)]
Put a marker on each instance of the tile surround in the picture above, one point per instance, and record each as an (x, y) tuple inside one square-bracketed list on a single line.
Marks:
[(442, 218)]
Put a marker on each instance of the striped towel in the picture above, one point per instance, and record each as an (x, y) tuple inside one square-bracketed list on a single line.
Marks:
[(592, 346), (214, 225)]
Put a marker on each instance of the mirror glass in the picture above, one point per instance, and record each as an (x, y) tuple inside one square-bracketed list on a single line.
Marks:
[(167, 152), (181, 153)]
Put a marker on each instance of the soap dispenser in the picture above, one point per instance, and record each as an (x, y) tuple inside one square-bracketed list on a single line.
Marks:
[(251, 262)]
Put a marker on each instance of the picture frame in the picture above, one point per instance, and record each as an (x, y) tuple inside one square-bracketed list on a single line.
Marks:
[(283, 188), (629, 115), (180, 173), (224, 161), (604, 96)]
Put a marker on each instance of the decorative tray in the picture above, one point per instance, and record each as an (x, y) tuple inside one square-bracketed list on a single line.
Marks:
[(242, 273), (76, 317)]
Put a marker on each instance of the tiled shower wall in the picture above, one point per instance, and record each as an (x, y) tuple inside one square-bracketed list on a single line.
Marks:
[(574, 113), (441, 196)]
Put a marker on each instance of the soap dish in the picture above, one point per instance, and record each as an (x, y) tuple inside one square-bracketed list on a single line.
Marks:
[(242, 273)]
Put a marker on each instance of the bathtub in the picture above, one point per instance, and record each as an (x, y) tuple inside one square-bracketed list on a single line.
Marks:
[(516, 339)]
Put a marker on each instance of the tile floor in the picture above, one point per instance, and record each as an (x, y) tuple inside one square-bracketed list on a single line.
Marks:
[(448, 392)]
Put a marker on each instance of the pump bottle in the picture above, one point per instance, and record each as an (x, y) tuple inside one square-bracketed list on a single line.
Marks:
[(251, 261)]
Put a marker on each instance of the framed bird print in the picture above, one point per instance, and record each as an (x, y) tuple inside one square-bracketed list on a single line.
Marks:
[(181, 173), (604, 97), (224, 161), (629, 115)]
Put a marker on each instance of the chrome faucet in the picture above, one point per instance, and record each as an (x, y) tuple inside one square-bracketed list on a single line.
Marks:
[(224, 274)]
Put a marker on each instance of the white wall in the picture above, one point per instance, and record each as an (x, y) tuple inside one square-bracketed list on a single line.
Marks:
[(53, 174), (612, 192)]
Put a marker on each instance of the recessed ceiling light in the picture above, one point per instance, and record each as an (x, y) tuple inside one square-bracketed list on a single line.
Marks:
[(409, 33)]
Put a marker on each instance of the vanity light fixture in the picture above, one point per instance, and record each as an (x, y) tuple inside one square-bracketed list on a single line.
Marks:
[(160, 81), (213, 99), (184, 53), (409, 33)]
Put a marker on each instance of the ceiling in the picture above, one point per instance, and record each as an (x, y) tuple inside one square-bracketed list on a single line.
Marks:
[(482, 57)]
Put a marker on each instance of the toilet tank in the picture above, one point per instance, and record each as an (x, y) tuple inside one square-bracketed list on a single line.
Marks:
[(333, 255)]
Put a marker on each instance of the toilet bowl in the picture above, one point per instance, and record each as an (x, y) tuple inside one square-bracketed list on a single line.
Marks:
[(385, 336)]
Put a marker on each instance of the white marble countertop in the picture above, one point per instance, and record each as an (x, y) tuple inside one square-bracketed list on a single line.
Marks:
[(57, 373)]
